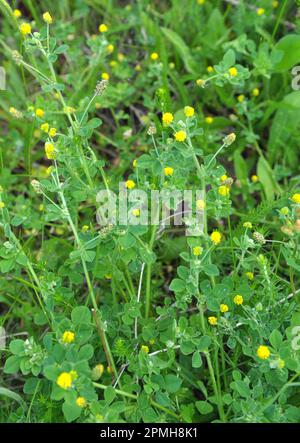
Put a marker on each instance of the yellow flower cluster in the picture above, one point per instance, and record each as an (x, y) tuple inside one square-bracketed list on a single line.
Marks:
[(180, 136), (68, 337), (238, 299), (263, 352), (197, 250), (212, 320), (215, 237), (167, 118), (65, 379), (168, 171)]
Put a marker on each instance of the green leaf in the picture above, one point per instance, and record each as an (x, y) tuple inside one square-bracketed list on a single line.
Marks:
[(17, 347), (109, 394), (211, 270), (204, 407), (86, 352), (196, 360), (173, 383), (289, 50), (182, 48), (177, 285), (12, 364), (71, 411), (81, 314), (276, 339), (266, 178)]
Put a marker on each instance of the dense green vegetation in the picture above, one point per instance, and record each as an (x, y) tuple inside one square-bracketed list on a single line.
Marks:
[(134, 322)]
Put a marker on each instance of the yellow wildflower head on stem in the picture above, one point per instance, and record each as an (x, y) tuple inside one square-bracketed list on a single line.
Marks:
[(212, 320), (39, 112), (52, 132), (238, 299), (50, 151), (105, 76), (45, 127), (64, 380), (154, 56), (2, 205), (263, 352), (210, 69), (197, 250), (180, 136), (241, 98), (296, 198), (17, 13), (215, 237), (103, 28), (224, 190), (200, 82), (145, 349), (167, 118), (209, 120), (247, 225), (189, 111), (81, 402), (129, 184), (224, 308), (68, 337), (249, 275), (233, 72), (136, 212), (255, 92), (254, 178), (260, 11), (25, 28), (200, 204), (47, 18), (168, 171)]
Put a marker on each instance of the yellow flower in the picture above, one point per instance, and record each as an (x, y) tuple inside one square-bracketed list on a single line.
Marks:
[(103, 28), (180, 136), (241, 98), (110, 48), (168, 171), (45, 127), (41, 207), (136, 212), (275, 4), (200, 82), (255, 92), (197, 250), (50, 150), (254, 178), (138, 68), (284, 211), (113, 63), (97, 371), (200, 204), (108, 276), (68, 337), (25, 28), (120, 56), (212, 320), (233, 71), (249, 275), (81, 402), (85, 228), (2, 205), (296, 199), (238, 299), (39, 112), (129, 184), (209, 120), (134, 163), (260, 11), (224, 190), (281, 363), (52, 132), (200, 2), (49, 170), (189, 111), (17, 13), (145, 349), (263, 352), (215, 237), (152, 341), (223, 178), (47, 18), (64, 380), (105, 76), (247, 225), (210, 69), (167, 118), (154, 56), (224, 308)]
